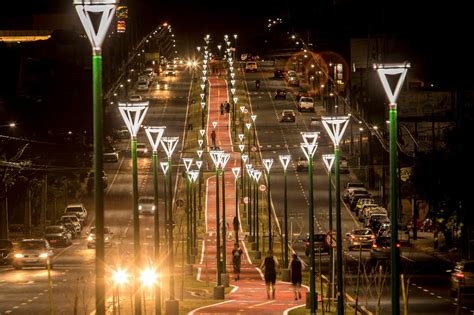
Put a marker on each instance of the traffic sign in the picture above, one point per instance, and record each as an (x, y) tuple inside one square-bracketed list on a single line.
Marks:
[(262, 187), (254, 149), (246, 200), (331, 239)]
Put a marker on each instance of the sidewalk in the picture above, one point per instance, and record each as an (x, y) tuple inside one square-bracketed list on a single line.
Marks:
[(425, 243), (248, 294)]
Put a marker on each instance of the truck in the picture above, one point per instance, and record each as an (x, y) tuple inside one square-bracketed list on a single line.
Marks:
[(306, 103)]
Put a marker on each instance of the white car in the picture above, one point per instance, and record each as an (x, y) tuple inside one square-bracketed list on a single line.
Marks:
[(135, 98), (306, 103), (142, 85), (78, 209), (142, 149), (146, 205), (108, 236), (72, 218), (32, 253)]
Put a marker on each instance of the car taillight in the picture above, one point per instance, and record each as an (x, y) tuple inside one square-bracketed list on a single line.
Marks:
[(353, 237), (398, 245), (459, 275), (374, 245), (373, 237)]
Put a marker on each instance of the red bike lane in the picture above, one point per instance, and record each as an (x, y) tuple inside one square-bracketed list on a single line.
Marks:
[(248, 294)]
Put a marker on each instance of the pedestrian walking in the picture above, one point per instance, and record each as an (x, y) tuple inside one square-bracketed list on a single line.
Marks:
[(213, 137), (236, 261), (269, 266), (222, 108), (236, 224), (295, 267), (227, 107)]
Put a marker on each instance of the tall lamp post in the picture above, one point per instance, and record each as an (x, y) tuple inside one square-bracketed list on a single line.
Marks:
[(335, 127), (285, 160), (164, 167), (268, 165), (383, 71), (309, 148), (194, 177), (84, 8), (218, 289), (187, 164), (224, 275), (249, 169), (154, 135), (169, 145), (236, 172), (199, 165), (256, 174), (328, 160), (133, 115)]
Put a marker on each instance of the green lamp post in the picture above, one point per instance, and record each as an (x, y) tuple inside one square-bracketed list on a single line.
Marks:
[(224, 275), (335, 127), (154, 135), (187, 164), (236, 172), (285, 160), (84, 9), (328, 160), (268, 165), (383, 71), (309, 148), (133, 115)]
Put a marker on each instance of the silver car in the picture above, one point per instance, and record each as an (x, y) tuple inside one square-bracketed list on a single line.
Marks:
[(32, 253), (462, 278), (146, 205)]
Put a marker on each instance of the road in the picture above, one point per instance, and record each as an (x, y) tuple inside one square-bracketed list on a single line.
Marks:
[(26, 291)]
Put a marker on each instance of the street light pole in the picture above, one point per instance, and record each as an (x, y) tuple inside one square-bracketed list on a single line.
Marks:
[(256, 177), (169, 145), (285, 160), (224, 159), (268, 165), (335, 127), (155, 142), (187, 164), (309, 148), (328, 160), (133, 115), (236, 172), (383, 71), (107, 8), (218, 289)]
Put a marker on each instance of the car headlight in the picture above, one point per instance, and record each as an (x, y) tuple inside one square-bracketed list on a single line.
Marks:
[(140, 207), (153, 208), (90, 238), (146, 150), (106, 238), (18, 255), (43, 255)]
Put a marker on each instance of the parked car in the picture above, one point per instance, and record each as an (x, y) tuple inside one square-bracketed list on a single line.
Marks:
[(380, 249), (462, 278), (360, 238), (57, 235), (78, 209), (146, 205), (361, 202), (71, 228), (320, 244), (364, 212), (108, 235), (110, 154), (71, 218), (6, 252), (288, 115), (349, 187), (90, 180), (32, 253), (280, 94), (142, 85)]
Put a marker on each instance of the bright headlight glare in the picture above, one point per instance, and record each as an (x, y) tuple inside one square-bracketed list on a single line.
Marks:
[(18, 255), (153, 208), (43, 255), (89, 238), (140, 207)]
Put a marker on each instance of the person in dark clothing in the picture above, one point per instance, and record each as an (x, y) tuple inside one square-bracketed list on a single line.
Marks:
[(227, 107), (213, 137), (236, 224), (236, 261), (269, 266), (295, 266), (222, 108)]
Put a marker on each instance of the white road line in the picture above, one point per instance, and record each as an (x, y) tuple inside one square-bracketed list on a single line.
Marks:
[(203, 307)]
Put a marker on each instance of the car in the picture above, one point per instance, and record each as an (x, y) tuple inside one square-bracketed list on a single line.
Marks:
[(91, 237), (146, 205), (359, 238), (90, 180), (32, 253), (142, 149), (162, 85), (292, 78), (71, 218), (142, 85), (302, 164), (57, 235), (110, 154), (122, 133), (79, 209), (320, 244), (170, 71), (306, 103), (135, 98), (364, 211), (378, 223), (251, 66), (71, 228), (279, 74), (380, 249), (361, 202), (288, 115), (6, 252), (349, 187), (280, 94), (355, 197), (462, 278)]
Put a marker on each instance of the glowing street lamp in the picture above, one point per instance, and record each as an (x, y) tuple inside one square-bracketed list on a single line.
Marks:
[(133, 115), (236, 172), (84, 9), (285, 160), (335, 127), (268, 165), (218, 289), (119, 278), (169, 145), (383, 71), (309, 148), (225, 276), (249, 169), (328, 160), (154, 135)]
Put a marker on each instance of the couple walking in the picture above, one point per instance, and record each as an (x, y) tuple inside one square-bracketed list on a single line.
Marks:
[(270, 264)]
